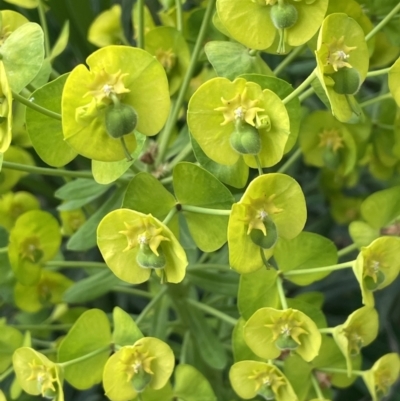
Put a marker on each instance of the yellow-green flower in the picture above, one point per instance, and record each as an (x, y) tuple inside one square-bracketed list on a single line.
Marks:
[(359, 330), (48, 291), (133, 244), (383, 374), (230, 120), (270, 331), (251, 378), (14, 204), (36, 374), (377, 266), (5, 110), (107, 29), (95, 100), (34, 240), (272, 206), (149, 362), (271, 25), (342, 63)]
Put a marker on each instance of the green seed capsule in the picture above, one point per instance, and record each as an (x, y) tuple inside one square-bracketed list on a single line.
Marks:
[(286, 343), (371, 284), (331, 158), (267, 393), (140, 380), (265, 241), (120, 120), (284, 16), (149, 260), (245, 139), (347, 81)]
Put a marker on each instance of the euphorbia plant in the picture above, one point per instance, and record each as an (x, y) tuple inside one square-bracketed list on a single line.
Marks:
[(206, 207)]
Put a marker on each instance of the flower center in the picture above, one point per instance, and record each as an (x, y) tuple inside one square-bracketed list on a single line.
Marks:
[(331, 138), (239, 108), (338, 54)]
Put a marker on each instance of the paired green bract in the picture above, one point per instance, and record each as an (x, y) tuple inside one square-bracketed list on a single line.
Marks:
[(120, 71)]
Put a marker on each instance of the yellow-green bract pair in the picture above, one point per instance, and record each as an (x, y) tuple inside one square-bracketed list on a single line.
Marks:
[(119, 77), (133, 244)]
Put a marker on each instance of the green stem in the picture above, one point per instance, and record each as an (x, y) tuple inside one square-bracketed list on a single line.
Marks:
[(140, 32), (179, 15), (166, 180), (204, 210), (378, 72), (316, 387), (259, 168), (288, 59), (6, 373), (47, 171), (253, 52), (170, 215), (306, 94), (214, 266), (326, 330), (151, 304), (50, 327), (132, 291), (281, 292), (320, 269), (75, 263), (42, 343), (36, 107), (212, 311), (338, 370), (376, 99), (43, 23), (348, 249), (301, 87), (169, 127), (181, 155), (125, 149), (264, 259), (292, 159), (84, 357), (378, 27)]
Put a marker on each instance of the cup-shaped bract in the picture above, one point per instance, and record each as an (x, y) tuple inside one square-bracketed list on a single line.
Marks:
[(34, 240), (133, 244), (326, 142), (47, 292), (36, 374), (219, 106), (377, 266), (9, 178), (383, 374), (14, 204), (359, 330), (270, 331), (275, 197), (107, 28), (149, 362), (169, 47), (5, 111), (264, 19), (394, 81), (342, 63), (116, 74), (251, 378), (10, 21), (10, 340)]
